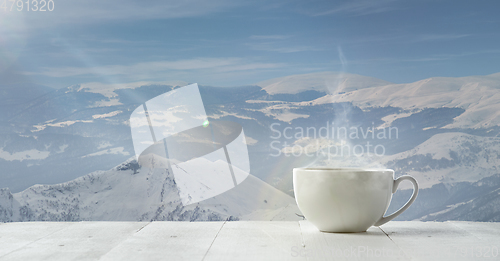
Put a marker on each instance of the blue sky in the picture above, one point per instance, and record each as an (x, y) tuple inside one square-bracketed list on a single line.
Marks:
[(234, 43)]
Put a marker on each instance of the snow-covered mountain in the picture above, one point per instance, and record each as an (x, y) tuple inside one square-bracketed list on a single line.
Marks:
[(133, 193), (449, 158), (448, 135), (479, 96), (328, 82), (458, 175), (479, 201), (81, 127)]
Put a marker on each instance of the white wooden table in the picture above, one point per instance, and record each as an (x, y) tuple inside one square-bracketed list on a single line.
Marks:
[(246, 240)]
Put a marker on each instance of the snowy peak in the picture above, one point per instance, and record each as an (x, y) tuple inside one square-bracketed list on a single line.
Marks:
[(328, 82), (477, 95), (133, 193), (449, 158), (494, 75), (108, 90)]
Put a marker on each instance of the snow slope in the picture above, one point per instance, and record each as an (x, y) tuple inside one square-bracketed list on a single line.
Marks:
[(448, 158), (478, 95), (129, 192), (328, 82)]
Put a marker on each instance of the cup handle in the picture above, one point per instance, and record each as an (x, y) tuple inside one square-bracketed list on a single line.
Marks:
[(383, 219)]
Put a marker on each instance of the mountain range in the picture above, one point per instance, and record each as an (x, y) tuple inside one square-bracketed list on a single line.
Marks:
[(130, 192), (447, 138)]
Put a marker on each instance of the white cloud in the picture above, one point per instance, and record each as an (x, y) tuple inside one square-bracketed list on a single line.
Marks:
[(406, 38), (145, 70), (280, 48), (436, 57), (95, 11), (449, 56), (437, 37), (270, 37), (277, 43), (360, 7)]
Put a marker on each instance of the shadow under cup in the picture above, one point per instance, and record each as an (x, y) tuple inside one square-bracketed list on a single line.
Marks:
[(346, 200)]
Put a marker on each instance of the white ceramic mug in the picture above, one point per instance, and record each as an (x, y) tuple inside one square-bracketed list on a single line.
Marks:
[(346, 199)]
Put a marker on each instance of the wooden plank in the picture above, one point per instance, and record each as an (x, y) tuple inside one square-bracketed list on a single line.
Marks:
[(372, 245), (14, 236), (487, 231), (244, 240), (488, 235), (167, 241), (434, 240), (253, 240), (80, 241)]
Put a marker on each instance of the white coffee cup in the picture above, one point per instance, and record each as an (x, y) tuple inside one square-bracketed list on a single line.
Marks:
[(347, 199)]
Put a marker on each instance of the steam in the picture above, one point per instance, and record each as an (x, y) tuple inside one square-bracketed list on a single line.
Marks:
[(331, 157), (339, 84)]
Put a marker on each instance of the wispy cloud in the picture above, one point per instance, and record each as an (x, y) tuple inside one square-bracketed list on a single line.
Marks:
[(430, 58), (441, 57), (405, 38), (113, 41), (270, 37), (150, 69), (360, 7), (438, 37), (76, 12), (276, 43), (272, 47)]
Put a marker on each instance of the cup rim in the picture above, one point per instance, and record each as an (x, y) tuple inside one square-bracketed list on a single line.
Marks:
[(345, 169)]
